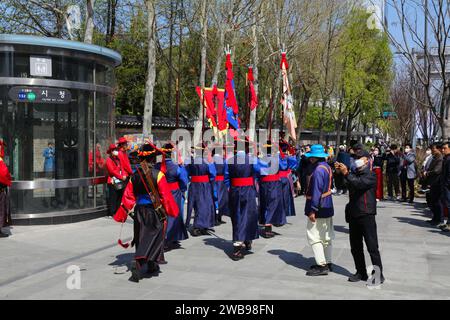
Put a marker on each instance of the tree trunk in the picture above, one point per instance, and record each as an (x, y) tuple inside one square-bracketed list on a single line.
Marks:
[(302, 113), (151, 70), (170, 78), (321, 120), (89, 33), (204, 25), (349, 130)]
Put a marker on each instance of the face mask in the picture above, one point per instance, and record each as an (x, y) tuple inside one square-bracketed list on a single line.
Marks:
[(359, 163), (115, 153), (428, 152)]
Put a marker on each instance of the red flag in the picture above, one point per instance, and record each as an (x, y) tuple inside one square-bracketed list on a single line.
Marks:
[(229, 86), (253, 97), (210, 105)]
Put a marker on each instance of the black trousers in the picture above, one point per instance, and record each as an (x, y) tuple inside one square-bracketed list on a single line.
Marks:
[(114, 199), (404, 182), (393, 183), (364, 228), (434, 202)]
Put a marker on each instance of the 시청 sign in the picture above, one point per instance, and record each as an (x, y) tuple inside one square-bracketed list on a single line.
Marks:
[(40, 95)]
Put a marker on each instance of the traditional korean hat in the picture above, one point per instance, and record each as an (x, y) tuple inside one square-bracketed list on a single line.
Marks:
[(122, 140), (111, 148)]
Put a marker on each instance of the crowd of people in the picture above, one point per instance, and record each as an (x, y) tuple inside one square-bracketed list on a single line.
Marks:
[(255, 187), (398, 169)]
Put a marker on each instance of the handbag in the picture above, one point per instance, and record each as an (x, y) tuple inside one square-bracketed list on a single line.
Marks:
[(118, 184)]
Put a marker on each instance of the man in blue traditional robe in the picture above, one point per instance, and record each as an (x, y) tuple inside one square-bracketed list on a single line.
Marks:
[(202, 175), (287, 163), (240, 173), (270, 189)]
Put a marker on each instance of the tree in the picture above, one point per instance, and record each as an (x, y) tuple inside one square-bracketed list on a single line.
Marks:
[(151, 68), (89, 21), (366, 62), (426, 51)]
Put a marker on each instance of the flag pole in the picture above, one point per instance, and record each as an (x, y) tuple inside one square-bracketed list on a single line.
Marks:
[(247, 103), (177, 103), (203, 113), (270, 113)]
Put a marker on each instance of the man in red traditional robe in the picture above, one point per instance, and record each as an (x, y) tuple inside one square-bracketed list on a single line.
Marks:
[(149, 226), (5, 182)]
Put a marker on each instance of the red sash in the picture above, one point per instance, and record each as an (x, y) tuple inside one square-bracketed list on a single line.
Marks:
[(242, 182), (220, 178), (284, 174), (200, 179), (271, 178)]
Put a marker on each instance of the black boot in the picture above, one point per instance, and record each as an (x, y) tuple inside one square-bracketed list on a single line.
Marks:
[(267, 233), (237, 253), (315, 271), (3, 235), (135, 273), (248, 245), (358, 277), (153, 267)]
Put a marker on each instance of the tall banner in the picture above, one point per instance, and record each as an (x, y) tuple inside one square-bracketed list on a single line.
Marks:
[(213, 102), (253, 98), (231, 105), (287, 100)]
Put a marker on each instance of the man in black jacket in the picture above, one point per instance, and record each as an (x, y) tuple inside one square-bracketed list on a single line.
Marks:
[(445, 184), (392, 166), (360, 214), (433, 179)]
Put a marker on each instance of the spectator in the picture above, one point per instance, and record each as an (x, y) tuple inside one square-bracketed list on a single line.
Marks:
[(408, 173), (433, 179), (360, 214), (116, 179), (320, 211), (392, 165), (378, 161), (425, 166), (305, 169), (445, 183)]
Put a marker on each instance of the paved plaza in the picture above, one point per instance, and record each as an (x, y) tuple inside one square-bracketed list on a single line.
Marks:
[(416, 257)]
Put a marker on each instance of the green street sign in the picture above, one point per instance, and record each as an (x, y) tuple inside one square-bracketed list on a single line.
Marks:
[(31, 96)]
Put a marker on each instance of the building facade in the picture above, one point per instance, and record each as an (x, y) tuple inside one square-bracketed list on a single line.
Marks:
[(57, 119)]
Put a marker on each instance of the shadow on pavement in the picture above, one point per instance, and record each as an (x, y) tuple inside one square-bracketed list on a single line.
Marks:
[(440, 232), (124, 259), (414, 222), (341, 229), (297, 260), (225, 245)]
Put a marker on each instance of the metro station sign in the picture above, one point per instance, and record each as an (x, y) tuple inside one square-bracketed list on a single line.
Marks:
[(40, 95)]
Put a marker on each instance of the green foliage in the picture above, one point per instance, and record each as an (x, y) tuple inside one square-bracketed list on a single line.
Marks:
[(131, 74), (366, 62), (312, 121)]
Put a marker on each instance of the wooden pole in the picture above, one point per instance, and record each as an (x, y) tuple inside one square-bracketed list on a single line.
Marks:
[(177, 103), (270, 113)]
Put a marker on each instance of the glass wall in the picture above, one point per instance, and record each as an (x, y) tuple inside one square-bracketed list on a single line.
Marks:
[(62, 145)]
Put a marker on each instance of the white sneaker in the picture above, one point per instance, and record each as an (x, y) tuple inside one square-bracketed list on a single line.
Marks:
[(333, 191)]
